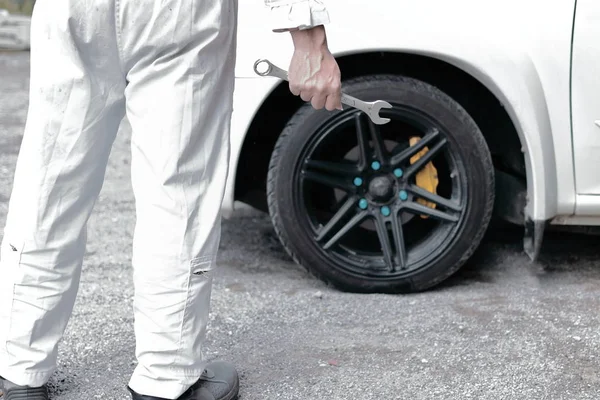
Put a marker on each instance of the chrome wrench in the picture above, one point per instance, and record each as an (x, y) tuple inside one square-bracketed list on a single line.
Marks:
[(370, 108)]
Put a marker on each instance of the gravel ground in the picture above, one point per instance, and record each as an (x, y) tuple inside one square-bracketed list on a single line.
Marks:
[(503, 328)]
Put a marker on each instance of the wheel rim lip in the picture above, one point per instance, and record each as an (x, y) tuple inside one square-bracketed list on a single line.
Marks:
[(419, 257)]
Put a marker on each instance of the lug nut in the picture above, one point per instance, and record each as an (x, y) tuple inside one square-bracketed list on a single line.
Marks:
[(403, 195), (375, 165), (363, 204), (398, 172), (358, 181), (385, 210)]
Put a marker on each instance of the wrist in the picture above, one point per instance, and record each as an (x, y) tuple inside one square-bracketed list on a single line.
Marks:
[(309, 39)]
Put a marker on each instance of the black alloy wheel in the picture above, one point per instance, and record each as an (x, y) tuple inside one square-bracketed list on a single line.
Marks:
[(393, 208)]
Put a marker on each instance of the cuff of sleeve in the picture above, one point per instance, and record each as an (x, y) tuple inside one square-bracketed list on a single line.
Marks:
[(304, 14)]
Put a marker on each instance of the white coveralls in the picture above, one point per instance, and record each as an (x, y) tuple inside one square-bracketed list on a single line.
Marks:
[(168, 66)]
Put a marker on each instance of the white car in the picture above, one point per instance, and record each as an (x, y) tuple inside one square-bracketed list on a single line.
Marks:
[(496, 109)]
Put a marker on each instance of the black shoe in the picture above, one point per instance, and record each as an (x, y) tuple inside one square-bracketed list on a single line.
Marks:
[(219, 381), (15, 392)]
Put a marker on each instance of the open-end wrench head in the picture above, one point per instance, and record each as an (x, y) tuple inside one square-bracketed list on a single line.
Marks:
[(374, 114)]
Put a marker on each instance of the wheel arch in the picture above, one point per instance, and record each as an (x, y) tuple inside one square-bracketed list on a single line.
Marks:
[(520, 142)]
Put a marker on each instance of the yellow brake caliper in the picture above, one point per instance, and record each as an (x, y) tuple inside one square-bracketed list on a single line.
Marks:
[(427, 177)]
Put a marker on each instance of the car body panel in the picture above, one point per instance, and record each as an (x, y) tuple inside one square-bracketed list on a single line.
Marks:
[(586, 100), (249, 96), (522, 57)]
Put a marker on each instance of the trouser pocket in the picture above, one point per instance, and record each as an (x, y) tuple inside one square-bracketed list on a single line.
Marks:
[(203, 266), (10, 274), (10, 258)]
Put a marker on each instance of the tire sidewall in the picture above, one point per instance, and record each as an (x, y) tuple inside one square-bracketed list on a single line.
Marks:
[(464, 139)]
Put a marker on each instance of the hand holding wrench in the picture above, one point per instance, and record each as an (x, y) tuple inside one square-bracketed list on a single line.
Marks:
[(370, 108)]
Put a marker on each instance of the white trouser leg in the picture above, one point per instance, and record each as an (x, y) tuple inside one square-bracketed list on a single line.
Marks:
[(180, 58), (76, 105)]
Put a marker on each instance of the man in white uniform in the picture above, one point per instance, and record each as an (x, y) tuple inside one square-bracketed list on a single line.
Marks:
[(169, 66)]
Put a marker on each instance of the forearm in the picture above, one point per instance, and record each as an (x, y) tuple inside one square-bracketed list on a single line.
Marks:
[(309, 39), (313, 73)]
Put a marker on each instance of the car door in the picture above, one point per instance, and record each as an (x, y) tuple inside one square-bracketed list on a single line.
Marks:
[(585, 103)]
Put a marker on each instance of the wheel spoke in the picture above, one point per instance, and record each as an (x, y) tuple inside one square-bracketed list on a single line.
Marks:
[(406, 154), (338, 168), (434, 198), (337, 217), (363, 142), (346, 228), (333, 174), (427, 157), (399, 241), (330, 181), (417, 208), (378, 144), (384, 240)]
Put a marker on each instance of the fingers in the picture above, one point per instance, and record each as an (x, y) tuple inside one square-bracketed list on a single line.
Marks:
[(306, 95), (321, 96), (315, 77), (329, 101), (334, 101), (322, 88), (318, 102), (295, 89)]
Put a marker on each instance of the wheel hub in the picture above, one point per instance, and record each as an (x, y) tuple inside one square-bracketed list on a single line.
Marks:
[(381, 188)]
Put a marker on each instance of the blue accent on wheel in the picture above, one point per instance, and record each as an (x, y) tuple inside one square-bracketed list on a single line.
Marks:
[(363, 204), (375, 165), (398, 172), (358, 181), (403, 195), (385, 210)]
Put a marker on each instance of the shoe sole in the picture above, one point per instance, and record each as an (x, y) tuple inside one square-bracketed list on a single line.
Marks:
[(233, 393)]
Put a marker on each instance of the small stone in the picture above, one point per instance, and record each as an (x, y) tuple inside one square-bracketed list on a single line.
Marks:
[(577, 338), (318, 295), (424, 361)]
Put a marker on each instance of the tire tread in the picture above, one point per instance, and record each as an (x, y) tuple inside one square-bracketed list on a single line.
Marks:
[(453, 106)]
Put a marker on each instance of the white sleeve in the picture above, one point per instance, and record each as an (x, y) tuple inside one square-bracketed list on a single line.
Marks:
[(296, 14)]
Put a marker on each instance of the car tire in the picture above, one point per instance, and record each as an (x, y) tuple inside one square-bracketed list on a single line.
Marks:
[(303, 203)]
